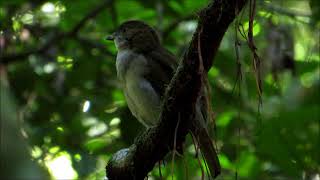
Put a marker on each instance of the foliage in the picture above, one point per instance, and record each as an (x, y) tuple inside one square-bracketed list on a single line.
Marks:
[(61, 73)]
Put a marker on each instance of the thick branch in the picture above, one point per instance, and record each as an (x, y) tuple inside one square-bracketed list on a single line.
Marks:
[(9, 58), (181, 95)]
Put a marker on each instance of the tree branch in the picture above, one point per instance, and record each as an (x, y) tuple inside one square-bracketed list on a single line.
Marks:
[(181, 96), (90, 15), (10, 58)]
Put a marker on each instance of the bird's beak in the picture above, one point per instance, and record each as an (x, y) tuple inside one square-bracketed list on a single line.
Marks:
[(110, 37)]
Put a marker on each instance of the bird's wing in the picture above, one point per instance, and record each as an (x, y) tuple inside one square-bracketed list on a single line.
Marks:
[(159, 75), (161, 70)]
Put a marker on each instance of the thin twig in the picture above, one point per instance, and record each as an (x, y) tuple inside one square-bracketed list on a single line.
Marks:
[(199, 52), (181, 96), (89, 16), (256, 58), (197, 149), (174, 144)]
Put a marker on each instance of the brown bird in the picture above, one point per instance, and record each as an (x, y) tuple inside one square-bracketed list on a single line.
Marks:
[(145, 68)]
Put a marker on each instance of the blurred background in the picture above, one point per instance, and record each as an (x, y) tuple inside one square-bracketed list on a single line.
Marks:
[(63, 113)]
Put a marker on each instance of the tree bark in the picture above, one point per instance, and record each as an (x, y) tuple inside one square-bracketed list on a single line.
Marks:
[(178, 106)]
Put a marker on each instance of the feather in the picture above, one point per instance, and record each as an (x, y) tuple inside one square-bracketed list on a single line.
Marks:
[(161, 68)]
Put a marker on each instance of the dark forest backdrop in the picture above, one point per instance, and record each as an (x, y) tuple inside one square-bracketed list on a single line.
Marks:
[(63, 113)]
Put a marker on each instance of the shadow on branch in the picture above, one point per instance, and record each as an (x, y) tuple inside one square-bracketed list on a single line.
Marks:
[(181, 95)]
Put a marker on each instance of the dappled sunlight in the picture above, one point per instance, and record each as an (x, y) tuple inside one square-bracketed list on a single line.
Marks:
[(89, 121), (60, 166), (308, 79), (256, 27), (65, 62), (300, 52), (49, 68), (86, 106), (57, 162), (115, 122), (48, 7), (36, 152), (52, 13), (97, 129), (73, 114)]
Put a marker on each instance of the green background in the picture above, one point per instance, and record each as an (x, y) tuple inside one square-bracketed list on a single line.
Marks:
[(63, 113)]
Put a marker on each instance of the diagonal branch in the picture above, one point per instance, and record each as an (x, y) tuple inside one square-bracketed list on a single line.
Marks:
[(181, 95), (89, 16), (55, 39)]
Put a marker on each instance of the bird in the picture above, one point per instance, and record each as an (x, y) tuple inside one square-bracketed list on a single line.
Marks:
[(145, 68)]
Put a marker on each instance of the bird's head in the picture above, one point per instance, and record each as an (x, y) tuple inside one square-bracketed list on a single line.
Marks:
[(135, 35)]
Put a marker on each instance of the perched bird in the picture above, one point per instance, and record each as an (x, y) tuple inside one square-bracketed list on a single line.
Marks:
[(145, 68)]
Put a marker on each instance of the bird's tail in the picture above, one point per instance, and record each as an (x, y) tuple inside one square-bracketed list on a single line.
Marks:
[(208, 150)]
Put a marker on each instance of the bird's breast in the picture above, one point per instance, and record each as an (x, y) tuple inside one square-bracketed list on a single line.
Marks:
[(130, 65), (143, 101)]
